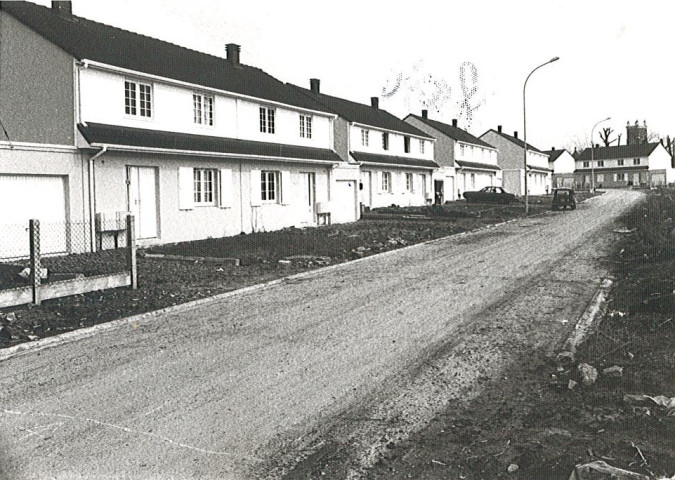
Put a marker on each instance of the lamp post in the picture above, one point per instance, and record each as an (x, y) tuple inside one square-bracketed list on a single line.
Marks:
[(592, 148), (527, 205)]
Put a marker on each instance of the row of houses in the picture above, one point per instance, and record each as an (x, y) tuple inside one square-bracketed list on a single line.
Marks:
[(99, 120)]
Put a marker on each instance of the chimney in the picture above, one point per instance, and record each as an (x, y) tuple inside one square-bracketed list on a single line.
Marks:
[(499, 128), (63, 8), (233, 53), (375, 102), (515, 134), (454, 122), (314, 85), (425, 113), (553, 149)]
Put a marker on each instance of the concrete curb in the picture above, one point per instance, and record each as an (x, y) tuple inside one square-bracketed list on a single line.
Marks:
[(589, 319), (68, 337)]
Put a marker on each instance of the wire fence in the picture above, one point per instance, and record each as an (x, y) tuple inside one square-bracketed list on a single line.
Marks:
[(67, 250)]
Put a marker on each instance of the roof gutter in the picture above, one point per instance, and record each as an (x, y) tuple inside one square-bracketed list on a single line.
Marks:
[(92, 196)]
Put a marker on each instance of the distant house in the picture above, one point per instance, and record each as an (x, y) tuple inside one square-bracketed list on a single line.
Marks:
[(510, 159), (466, 162), (642, 164), (562, 163), (396, 160), (103, 120)]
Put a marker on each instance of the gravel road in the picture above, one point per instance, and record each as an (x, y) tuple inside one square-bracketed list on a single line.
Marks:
[(340, 362)]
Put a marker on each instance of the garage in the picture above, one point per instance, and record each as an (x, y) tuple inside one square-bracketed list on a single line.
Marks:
[(32, 196), (344, 201)]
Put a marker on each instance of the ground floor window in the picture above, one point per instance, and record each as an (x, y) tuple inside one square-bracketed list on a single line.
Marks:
[(386, 181), (269, 185), (204, 183), (409, 182)]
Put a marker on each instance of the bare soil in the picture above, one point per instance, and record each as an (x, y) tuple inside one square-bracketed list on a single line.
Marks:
[(164, 283)]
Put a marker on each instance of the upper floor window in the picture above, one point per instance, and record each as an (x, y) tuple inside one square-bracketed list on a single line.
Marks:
[(204, 181), (601, 163), (587, 164), (202, 106), (636, 161), (269, 186), (266, 120), (406, 144), (461, 150), (620, 162), (422, 146), (137, 98), (305, 126), (385, 141), (364, 137)]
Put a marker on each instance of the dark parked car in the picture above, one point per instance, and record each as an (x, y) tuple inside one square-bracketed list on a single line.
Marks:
[(490, 195), (563, 198)]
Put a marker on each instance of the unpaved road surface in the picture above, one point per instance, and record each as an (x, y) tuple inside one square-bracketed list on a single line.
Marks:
[(337, 364)]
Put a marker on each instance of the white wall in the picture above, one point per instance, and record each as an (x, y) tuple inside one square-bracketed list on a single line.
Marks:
[(398, 194), (563, 164), (475, 153), (102, 101), (396, 143), (536, 159)]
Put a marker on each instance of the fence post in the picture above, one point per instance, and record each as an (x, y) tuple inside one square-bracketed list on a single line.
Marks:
[(35, 263), (131, 251)]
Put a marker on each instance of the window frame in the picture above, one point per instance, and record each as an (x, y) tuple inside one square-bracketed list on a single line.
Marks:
[(422, 142), (586, 164), (385, 141), (386, 182), (305, 126), (267, 122), (200, 114), (138, 100), (365, 140), (406, 144), (636, 161), (409, 182), (267, 178), (204, 187), (619, 162), (601, 163)]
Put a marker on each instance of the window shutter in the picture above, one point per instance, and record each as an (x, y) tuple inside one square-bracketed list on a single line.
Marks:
[(185, 188), (256, 185), (285, 188), (225, 188), (615, 177)]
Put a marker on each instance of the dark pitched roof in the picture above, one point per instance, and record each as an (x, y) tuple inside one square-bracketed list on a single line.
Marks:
[(370, 158), (477, 165), (99, 134), (515, 140), (88, 40), (455, 133), (361, 113), (619, 151), (553, 155)]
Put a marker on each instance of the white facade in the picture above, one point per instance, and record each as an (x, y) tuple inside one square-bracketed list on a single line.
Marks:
[(385, 186), (563, 164), (475, 153), (419, 147), (102, 100)]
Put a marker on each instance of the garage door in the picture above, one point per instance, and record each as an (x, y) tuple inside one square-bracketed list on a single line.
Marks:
[(344, 201), (32, 196)]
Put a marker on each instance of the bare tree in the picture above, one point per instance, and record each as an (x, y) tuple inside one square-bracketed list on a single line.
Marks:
[(605, 135)]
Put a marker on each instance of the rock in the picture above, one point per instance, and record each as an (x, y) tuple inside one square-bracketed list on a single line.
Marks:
[(571, 384), (25, 273), (4, 334), (512, 468), (588, 373), (614, 372), (565, 357), (284, 263), (552, 431), (10, 317), (32, 338)]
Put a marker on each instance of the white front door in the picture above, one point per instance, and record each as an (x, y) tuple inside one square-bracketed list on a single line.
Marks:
[(142, 182), (366, 188), (309, 197)]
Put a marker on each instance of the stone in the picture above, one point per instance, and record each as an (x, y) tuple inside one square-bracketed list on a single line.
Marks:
[(614, 372), (512, 468), (284, 263), (588, 373), (571, 384), (565, 357), (10, 317)]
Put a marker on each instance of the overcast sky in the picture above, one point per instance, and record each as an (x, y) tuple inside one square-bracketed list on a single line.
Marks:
[(615, 56)]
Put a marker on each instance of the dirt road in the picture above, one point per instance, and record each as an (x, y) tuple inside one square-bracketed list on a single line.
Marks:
[(337, 364)]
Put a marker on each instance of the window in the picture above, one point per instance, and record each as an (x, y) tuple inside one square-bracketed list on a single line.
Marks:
[(269, 186), (386, 181), (385, 141), (409, 182), (364, 137), (461, 150), (620, 162), (406, 144), (636, 161), (422, 146), (621, 176), (137, 99), (473, 180), (305, 126), (204, 186), (202, 106), (587, 164), (266, 120), (601, 163), (600, 177)]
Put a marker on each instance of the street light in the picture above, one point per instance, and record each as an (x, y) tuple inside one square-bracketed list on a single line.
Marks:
[(592, 169), (527, 206)]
